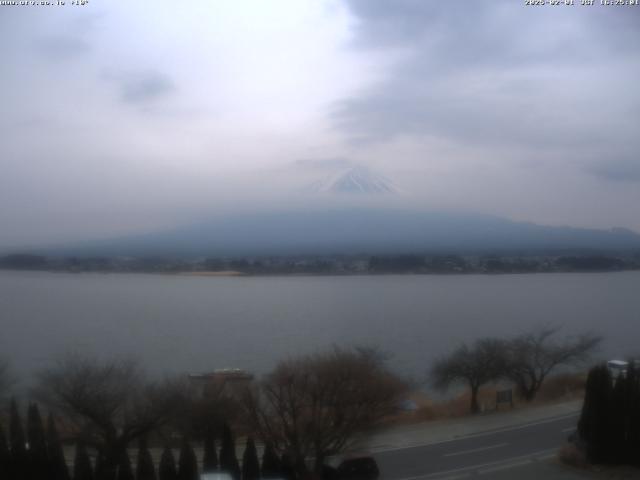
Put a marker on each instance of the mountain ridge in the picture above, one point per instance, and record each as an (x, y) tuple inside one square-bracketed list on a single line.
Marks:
[(370, 231)]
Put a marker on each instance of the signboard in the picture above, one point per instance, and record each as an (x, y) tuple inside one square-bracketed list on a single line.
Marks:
[(504, 396)]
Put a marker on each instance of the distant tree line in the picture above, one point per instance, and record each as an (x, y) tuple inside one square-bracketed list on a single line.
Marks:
[(609, 426), (24, 261), (590, 263), (336, 264), (525, 360)]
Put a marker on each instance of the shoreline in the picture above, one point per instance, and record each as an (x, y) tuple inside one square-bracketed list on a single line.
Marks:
[(208, 273), (236, 273)]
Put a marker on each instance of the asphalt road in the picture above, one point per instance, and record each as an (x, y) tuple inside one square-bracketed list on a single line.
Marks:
[(481, 453)]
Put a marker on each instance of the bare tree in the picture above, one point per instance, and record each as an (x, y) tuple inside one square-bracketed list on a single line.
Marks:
[(315, 406), (475, 365), (205, 408), (532, 356), (109, 402)]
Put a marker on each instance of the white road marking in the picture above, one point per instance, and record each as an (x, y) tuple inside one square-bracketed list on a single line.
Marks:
[(378, 449), (474, 450), (471, 468), (456, 477), (507, 466), (548, 456)]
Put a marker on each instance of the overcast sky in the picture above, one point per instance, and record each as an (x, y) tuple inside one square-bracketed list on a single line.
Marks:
[(122, 116)]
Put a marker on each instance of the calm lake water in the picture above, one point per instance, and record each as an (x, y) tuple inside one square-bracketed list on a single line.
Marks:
[(183, 323)]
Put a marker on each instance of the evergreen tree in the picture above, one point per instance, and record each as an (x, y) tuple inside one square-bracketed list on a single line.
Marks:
[(167, 468), (228, 459), (19, 463), (82, 464), (210, 459), (58, 469), (633, 450), (37, 454), (620, 420), (270, 463), (125, 472), (99, 468), (250, 463), (594, 426), (105, 468), (287, 467), (5, 456), (144, 469), (188, 463)]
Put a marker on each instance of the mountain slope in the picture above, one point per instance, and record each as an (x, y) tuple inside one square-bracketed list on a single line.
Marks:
[(357, 231)]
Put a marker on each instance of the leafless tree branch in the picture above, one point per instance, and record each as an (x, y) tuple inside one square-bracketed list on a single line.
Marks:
[(315, 406)]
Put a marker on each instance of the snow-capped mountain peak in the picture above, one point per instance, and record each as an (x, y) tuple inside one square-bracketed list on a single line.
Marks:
[(356, 180)]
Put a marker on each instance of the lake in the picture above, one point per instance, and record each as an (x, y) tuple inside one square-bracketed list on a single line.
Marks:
[(179, 323)]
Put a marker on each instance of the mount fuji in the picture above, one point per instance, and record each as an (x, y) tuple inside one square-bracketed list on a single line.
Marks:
[(357, 180), (348, 231)]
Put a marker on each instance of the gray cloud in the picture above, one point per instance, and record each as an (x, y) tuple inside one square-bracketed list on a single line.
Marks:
[(142, 87), (523, 112), (618, 171), (71, 42), (494, 73), (62, 47), (493, 32), (322, 163)]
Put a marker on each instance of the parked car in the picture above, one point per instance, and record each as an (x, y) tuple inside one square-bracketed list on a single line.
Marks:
[(329, 473), (617, 368), (216, 476), (359, 468)]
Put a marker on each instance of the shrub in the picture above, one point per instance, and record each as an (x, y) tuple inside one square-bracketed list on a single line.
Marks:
[(571, 455)]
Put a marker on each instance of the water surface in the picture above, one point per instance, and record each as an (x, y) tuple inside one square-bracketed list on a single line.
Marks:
[(182, 323)]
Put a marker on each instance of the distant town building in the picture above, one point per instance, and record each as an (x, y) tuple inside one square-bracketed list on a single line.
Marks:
[(224, 380)]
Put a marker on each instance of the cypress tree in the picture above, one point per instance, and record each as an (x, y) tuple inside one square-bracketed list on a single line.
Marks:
[(57, 464), (38, 456), (19, 463), (5, 455), (99, 469), (106, 465), (287, 468), (125, 472), (619, 422), (270, 463), (188, 463), (228, 459), (210, 459), (594, 426), (250, 463), (144, 468), (633, 450), (167, 468), (82, 464)]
